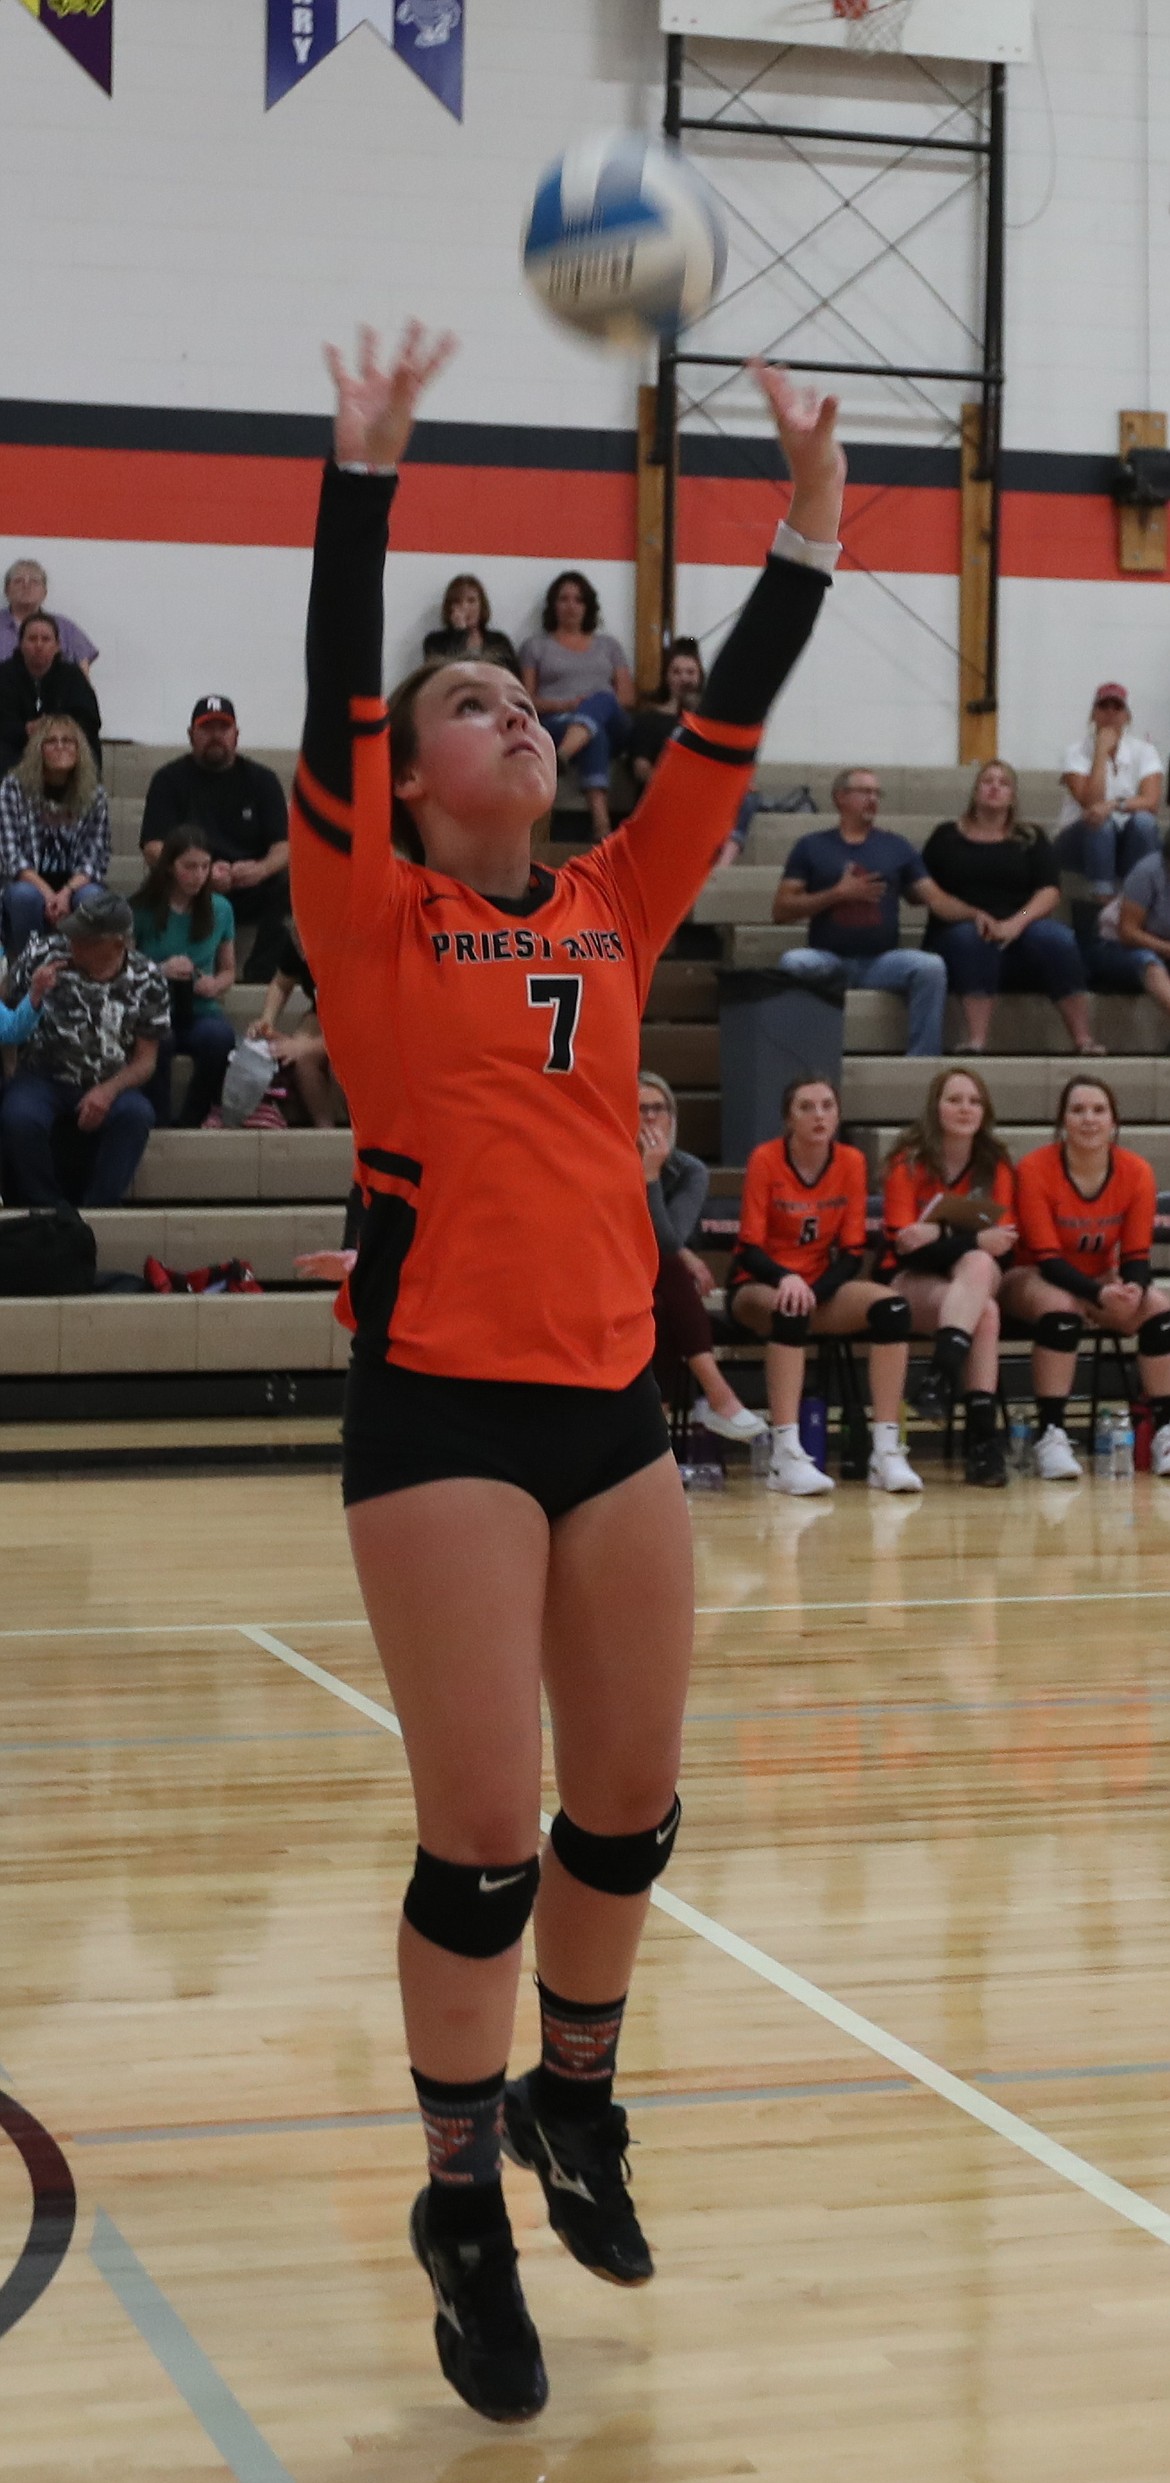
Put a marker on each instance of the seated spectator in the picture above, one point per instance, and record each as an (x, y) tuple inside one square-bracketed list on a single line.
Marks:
[(38, 681), (241, 809), (680, 689), (949, 1274), (85, 1067), (1086, 1215), (676, 1191), (183, 925), (465, 632), (796, 1273), (1002, 880), (54, 831), (848, 881), (1133, 944), (581, 682), (25, 588), (303, 1051), (1109, 818)]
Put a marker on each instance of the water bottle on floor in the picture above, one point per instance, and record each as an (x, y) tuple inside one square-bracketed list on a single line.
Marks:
[(1022, 1441), (1103, 1446), (761, 1452), (1123, 1447)]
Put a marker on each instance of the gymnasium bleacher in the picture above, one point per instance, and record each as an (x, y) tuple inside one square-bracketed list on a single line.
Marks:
[(269, 1195)]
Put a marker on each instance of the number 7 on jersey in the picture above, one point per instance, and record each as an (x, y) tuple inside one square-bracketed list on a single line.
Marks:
[(562, 994)]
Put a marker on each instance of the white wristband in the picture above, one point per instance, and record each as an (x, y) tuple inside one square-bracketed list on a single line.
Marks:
[(346, 467), (791, 546)]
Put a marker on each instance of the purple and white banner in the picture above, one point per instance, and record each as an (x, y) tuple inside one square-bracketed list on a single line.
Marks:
[(426, 34), (85, 28)]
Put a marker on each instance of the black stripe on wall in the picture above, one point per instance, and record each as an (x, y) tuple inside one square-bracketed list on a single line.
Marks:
[(206, 431)]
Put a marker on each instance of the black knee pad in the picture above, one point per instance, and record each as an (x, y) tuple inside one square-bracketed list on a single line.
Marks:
[(472, 1909), (790, 1327), (1060, 1330), (890, 1321), (618, 1866), (1154, 1334)]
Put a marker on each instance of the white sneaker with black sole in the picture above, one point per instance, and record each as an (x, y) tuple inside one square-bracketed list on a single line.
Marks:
[(1160, 1451), (793, 1470), (1055, 1462)]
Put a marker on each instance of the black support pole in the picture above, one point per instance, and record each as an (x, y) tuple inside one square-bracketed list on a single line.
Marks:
[(991, 445), (666, 428)]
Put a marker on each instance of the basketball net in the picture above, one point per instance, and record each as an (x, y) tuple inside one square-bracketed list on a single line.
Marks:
[(873, 25)]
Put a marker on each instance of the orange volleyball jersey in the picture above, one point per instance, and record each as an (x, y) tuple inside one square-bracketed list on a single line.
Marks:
[(488, 1049), (802, 1224), (1093, 1234), (911, 1189)]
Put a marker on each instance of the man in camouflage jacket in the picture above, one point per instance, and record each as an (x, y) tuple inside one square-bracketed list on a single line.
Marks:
[(94, 1049)]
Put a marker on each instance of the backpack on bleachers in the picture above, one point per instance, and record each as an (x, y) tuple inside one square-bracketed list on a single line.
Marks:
[(51, 1250)]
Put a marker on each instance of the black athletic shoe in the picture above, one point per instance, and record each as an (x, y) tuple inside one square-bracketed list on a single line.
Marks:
[(931, 1399), (488, 2347), (582, 2169), (985, 1463)]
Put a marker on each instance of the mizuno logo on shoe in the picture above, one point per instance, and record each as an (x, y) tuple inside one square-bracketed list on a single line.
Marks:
[(488, 1886), (558, 2177)]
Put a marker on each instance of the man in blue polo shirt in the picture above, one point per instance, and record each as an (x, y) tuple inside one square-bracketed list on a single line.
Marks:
[(848, 880)]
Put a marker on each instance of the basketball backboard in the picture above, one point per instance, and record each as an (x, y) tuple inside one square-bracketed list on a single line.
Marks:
[(992, 30)]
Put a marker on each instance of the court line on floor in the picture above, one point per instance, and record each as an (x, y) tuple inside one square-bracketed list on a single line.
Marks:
[(915, 2065), (228, 2427), (865, 1603), (683, 2099)]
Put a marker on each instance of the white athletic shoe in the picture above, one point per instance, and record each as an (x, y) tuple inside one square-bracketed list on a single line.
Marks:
[(794, 1472), (742, 1425), (891, 1471), (1160, 1451), (1055, 1462)]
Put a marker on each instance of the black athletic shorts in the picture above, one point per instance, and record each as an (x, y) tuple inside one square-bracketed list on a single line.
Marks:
[(561, 1445)]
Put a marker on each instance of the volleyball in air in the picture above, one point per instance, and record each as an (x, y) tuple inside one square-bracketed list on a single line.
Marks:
[(625, 242)]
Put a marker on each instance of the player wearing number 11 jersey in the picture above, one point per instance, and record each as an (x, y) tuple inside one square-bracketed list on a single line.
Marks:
[(514, 1512)]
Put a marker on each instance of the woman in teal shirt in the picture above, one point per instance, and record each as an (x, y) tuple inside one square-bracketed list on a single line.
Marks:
[(190, 931)]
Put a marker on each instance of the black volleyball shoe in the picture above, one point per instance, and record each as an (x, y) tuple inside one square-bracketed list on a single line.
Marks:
[(488, 2348), (581, 2167)]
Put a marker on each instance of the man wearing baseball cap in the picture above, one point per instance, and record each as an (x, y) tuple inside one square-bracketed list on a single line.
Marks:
[(1112, 786), (241, 809), (91, 1054)]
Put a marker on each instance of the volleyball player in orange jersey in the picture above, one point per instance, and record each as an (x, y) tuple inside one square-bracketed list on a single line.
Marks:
[(513, 1509), (795, 1273), (1086, 1215), (951, 1278)]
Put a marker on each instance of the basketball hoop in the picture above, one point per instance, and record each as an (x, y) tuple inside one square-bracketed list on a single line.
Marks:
[(873, 25)]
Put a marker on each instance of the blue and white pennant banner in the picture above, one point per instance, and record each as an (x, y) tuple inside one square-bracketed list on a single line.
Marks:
[(426, 34)]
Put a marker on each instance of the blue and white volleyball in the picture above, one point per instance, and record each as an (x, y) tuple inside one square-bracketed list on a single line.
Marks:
[(625, 242)]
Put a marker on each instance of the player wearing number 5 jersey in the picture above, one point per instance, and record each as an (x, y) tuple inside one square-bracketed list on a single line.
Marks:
[(514, 1512)]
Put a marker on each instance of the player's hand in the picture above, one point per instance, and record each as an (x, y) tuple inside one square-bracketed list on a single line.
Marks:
[(997, 1240), (1120, 1297), (329, 1267), (794, 1298), (376, 407), (697, 1269), (917, 1237), (807, 424)]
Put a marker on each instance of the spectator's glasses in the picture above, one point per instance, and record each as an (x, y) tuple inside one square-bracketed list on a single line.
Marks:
[(654, 1112)]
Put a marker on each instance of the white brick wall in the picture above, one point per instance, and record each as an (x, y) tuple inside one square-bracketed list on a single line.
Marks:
[(181, 247)]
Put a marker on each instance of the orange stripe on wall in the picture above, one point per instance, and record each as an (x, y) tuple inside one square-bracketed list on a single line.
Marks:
[(485, 512)]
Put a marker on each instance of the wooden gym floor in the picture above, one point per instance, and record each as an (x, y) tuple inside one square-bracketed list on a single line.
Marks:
[(897, 2059)]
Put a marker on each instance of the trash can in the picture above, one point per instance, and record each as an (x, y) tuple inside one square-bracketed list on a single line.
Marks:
[(773, 1026)]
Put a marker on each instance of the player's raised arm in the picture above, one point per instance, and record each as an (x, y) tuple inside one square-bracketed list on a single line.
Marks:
[(665, 851), (345, 713)]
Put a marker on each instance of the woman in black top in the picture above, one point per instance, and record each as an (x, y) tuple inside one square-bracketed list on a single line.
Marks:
[(37, 681), (1005, 873), (465, 632), (681, 687)]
